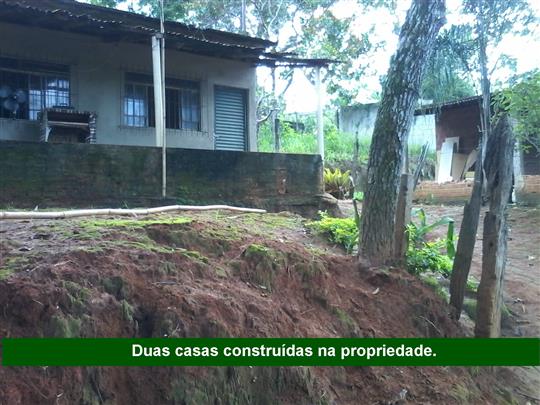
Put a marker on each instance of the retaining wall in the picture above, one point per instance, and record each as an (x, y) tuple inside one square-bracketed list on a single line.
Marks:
[(83, 175)]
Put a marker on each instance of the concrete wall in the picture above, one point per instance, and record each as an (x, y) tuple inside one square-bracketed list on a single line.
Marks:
[(97, 83), (361, 118), (84, 175)]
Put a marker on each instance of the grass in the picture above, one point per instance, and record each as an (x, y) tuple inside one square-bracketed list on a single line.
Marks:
[(12, 264), (133, 223)]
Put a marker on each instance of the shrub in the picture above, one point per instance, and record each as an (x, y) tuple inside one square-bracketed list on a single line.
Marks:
[(429, 257), (343, 231), (423, 255)]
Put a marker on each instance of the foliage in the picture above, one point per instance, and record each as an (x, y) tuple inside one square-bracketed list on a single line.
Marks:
[(521, 102), (104, 3), (428, 257), (424, 255), (358, 196), (339, 146), (446, 75), (290, 140), (343, 231), (336, 182)]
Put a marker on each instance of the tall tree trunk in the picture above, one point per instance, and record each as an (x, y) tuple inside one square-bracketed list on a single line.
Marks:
[(392, 125), (499, 169), (471, 212)]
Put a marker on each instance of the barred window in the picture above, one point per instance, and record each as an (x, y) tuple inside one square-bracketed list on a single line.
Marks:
[(24, 93), (182, 102)]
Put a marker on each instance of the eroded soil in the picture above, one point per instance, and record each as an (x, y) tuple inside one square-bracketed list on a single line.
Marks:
[(216, 275)]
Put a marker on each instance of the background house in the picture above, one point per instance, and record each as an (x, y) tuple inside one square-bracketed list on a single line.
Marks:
[(360, 119), (457, 133), (72, 56)]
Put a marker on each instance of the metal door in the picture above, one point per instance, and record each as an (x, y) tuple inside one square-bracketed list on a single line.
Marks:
[(230, 124)]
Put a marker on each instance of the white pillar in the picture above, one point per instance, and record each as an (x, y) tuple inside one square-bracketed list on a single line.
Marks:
[(158, 92), (320, 128)]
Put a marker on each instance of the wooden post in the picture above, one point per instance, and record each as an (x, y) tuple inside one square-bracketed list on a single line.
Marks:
[(499, 168), (403, 216)]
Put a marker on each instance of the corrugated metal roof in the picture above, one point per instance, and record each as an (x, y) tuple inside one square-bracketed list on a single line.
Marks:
[(435, 107), (117, 25)]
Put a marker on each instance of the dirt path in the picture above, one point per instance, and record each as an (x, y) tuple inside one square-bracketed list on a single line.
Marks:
[(522, 278)]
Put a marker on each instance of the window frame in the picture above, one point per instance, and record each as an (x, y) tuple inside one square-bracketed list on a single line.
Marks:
[(42, 71), (180, 87)]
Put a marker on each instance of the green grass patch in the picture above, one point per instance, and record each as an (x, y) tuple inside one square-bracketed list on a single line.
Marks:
[(12, 265), (134, 223)]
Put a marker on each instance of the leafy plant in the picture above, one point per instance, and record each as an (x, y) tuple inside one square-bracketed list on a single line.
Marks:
[(343, 231), (424, 255), (358, 196), (429, 257), (521, 102), (336, 182)]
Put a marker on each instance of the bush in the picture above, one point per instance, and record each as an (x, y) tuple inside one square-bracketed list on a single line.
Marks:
[(429, 257), (343, 231), (434, 256)]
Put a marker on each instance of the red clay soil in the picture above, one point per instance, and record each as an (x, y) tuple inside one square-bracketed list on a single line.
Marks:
[(237, 276)]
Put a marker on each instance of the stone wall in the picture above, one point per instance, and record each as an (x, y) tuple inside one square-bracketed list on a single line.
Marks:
[(83, 175)]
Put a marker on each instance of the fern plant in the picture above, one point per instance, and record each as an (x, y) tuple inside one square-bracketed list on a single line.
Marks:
[(337, 182)]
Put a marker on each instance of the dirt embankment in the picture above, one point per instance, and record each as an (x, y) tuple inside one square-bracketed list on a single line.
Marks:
[(214, 275)]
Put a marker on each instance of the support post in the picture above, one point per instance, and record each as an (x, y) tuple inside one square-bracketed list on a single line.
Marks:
[(158, 93), (158, 65), (164, 109), (320, 128)]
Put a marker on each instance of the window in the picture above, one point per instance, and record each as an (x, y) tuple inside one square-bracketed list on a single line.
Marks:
[(26, 88), (182, 103), (136, 105)]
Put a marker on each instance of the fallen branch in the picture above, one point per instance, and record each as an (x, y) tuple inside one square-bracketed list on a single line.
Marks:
[(113, 211)]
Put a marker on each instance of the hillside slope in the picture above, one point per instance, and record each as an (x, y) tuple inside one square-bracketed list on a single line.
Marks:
[(215, 275)]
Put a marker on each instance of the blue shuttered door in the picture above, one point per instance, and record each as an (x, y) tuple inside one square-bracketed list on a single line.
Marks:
[(230, 118)]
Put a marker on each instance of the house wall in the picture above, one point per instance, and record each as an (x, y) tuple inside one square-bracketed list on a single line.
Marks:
[(97, 83), (361, 118), (84, 175), (462, 122)]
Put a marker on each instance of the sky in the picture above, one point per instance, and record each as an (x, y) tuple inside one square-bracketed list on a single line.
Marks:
[(301, 96)]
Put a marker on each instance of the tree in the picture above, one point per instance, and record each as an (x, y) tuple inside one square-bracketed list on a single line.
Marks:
[(493, 19), (392, 125), (521, 102), (104, 3), (447, 76)]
